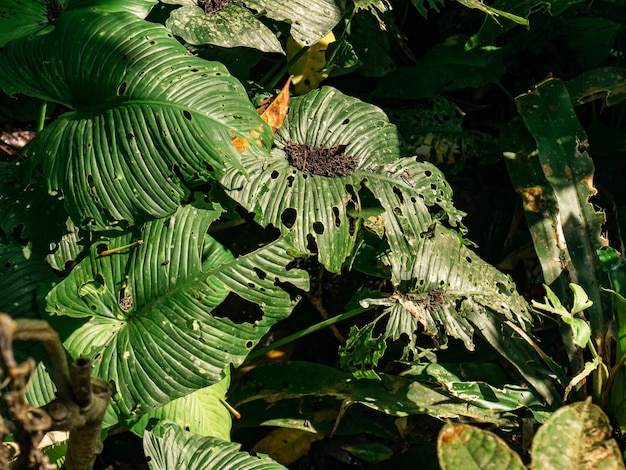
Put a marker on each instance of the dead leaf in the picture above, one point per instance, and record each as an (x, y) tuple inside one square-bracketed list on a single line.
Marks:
[(274, 111)]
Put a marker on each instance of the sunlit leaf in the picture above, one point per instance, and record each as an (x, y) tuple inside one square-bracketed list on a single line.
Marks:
[(233, 26), (147, 118), (168, 447), (146, 315)]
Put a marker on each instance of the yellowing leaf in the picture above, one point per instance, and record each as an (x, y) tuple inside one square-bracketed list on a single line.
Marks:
[(275, 110), (308, 71), (287, 445)]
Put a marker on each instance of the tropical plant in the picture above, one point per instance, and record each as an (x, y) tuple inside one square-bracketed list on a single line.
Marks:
[(168, 229)]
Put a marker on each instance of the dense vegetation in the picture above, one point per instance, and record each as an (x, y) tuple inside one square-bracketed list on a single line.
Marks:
[(412, 253)]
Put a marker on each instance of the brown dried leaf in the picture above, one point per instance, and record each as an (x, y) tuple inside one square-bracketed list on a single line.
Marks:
[(275, 110)]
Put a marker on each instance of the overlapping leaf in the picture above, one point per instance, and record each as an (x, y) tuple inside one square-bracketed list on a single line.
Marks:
[(146, 311), (168, 446), (20, 19), (232, 26), (310, 20), (148, 118)]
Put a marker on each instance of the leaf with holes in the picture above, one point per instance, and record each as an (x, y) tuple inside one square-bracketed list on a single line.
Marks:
[(230, 26), (330, 147), (147, 119), (310, 20), (146, 314)]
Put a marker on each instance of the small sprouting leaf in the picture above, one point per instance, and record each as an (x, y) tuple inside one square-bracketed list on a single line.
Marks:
[(581, 300)]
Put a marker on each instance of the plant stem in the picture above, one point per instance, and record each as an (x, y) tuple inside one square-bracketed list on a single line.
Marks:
[(272, 82), (308, 331), (41, 119)]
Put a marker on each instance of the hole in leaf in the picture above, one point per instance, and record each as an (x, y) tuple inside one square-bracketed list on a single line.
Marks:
[(288, 217), (428, 173), (187, 115), (503, 289), (260, 273), (318, 228), (398, 193), (121, 89), (249, 344), (345, 121), (238, 310), (274, 175), (336, 214), (330, 162)]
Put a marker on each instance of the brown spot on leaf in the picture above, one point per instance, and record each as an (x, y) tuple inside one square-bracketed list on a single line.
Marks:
[(531, 198), (547, 170), (331, 162)]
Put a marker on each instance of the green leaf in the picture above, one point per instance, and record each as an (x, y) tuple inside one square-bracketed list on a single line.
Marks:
[(201, 412), (20, 19), (493, 12), (471, 448), (22, 273), (168, 447), (148, 119), (145, 315), (442, 285), (490, 30), (319, 202), (564, 181), (481, 394), (310, 20), (392, 395), (605, 83), (233, 26), (576, 436), (370, 452), (444, 68), (362, 351)]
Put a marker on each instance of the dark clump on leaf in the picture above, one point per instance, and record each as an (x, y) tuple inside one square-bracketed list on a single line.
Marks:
[(213, 6), (331, 162), (53, 11)]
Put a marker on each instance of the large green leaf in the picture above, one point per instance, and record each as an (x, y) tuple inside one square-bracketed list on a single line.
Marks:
[(310, 20), (392, 395), (168, 446), (144, 315), (232, 26), (325, 209), (147, 118), (19, 18), (558, 179)]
